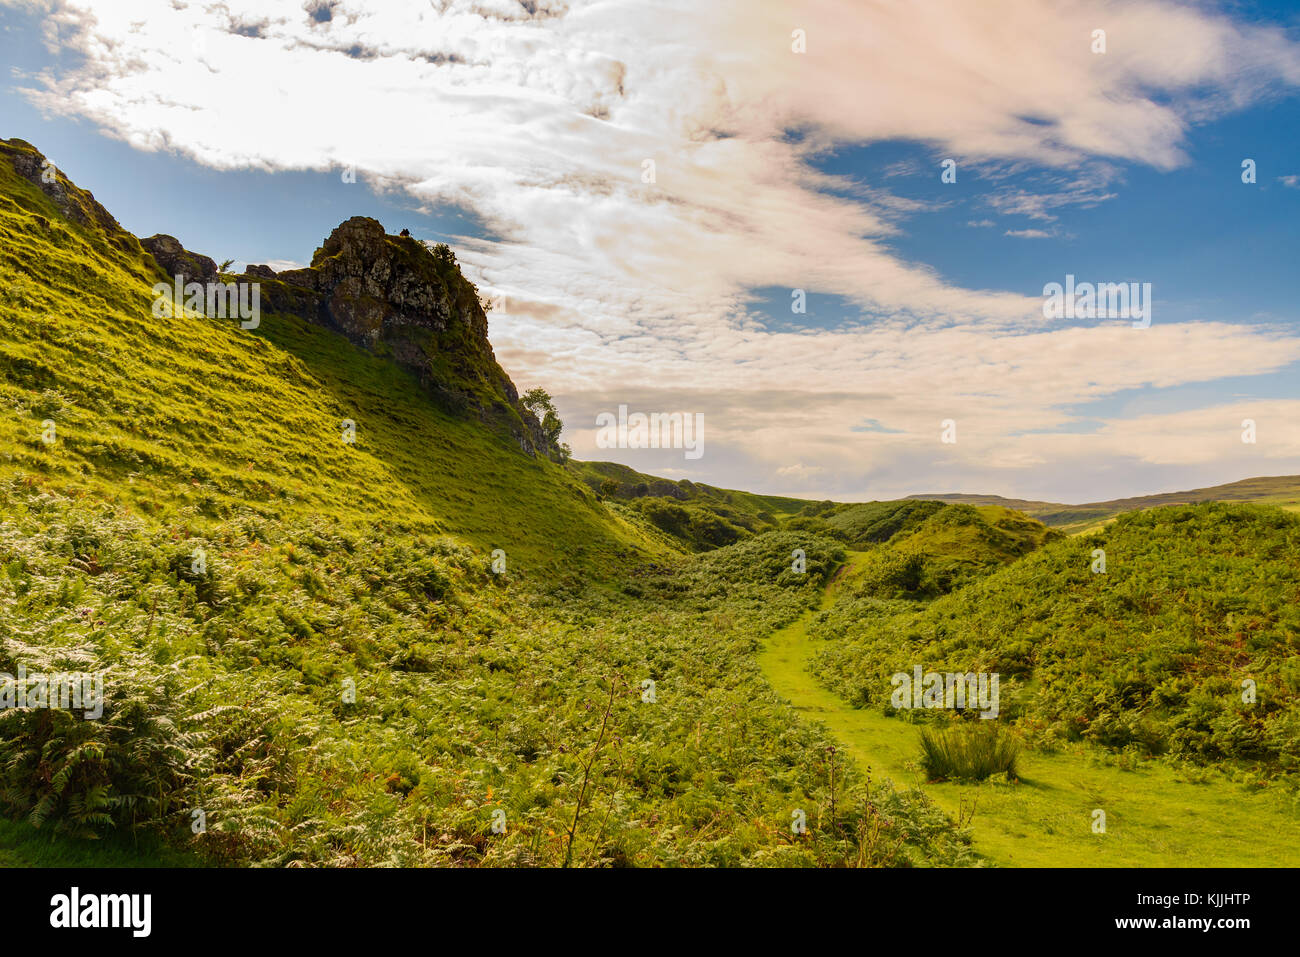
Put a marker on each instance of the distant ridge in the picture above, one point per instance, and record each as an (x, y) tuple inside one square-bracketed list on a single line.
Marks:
[(1278, 489)]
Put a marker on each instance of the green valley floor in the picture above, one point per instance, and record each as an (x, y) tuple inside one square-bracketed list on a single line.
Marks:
[(1155, 814)]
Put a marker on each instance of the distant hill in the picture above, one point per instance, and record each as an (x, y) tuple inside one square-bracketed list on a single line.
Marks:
[(1283, 490), (688, 510), (702, 516)]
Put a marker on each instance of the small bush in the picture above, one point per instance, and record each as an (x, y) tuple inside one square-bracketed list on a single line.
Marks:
[(968, 752)]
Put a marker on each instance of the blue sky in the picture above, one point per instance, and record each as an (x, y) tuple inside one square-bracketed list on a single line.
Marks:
[(1114, 168)]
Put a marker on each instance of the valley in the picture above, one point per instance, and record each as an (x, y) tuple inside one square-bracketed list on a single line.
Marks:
[(356, 607)]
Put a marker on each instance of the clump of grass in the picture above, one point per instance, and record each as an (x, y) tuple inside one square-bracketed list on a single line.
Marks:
[(969, 752)]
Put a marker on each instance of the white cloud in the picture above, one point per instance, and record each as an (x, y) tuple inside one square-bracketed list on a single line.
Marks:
[(799, 470), (279, 265)]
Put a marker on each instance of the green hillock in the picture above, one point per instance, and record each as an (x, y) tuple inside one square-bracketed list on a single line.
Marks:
[(169, 414), (699, 516), (1188, 643), (920, 549)]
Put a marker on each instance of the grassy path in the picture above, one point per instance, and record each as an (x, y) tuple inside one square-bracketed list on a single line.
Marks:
[(21, 845), (1154, 815)]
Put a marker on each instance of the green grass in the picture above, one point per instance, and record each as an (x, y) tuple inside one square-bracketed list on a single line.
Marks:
[(23, 846), (968, 751), (1197, 605), (472, 696)]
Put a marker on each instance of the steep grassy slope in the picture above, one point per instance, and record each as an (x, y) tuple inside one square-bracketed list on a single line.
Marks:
[(193, 413), (1197, 605)]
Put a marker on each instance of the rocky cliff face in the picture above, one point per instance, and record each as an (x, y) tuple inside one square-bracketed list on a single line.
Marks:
[(176, 260), (74, 203), (391, 295), (396, 296)]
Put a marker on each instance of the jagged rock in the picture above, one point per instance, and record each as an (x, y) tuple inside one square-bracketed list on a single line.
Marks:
[(176, 260), (372, 285), (260, 272), (392, 294)]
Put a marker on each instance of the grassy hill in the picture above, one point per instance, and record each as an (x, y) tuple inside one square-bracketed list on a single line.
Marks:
[(1150, 654), (194, 415), (924, 549), (699, 515)]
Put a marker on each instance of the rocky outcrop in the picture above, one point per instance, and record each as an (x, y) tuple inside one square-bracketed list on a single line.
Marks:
[(176, 260), (396, 296), (72, 202), (372, 284)]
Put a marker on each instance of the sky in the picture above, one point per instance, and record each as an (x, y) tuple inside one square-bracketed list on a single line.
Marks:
[(798, 153)]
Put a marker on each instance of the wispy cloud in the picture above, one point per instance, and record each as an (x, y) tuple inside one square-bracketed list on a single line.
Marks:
[(1084, 190)]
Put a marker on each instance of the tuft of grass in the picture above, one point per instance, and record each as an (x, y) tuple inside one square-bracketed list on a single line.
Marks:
[(968, 752)]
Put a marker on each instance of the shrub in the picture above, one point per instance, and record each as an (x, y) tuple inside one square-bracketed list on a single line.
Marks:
[(130, 767), (969, 752)]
